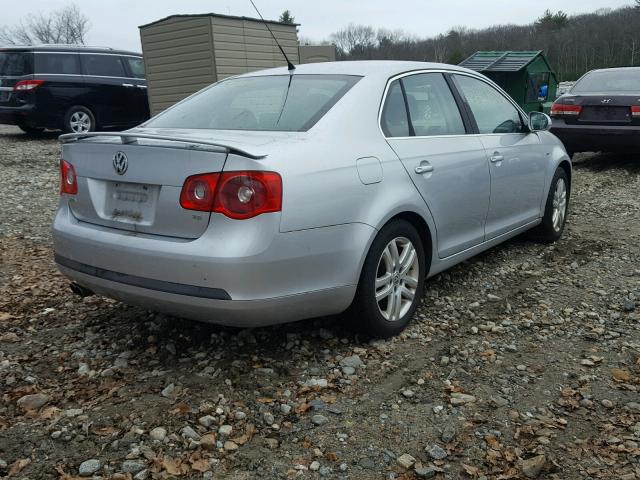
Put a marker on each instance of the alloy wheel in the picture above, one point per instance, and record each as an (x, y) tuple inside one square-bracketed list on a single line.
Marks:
[(397, 278), (559, 205), (80, 122)]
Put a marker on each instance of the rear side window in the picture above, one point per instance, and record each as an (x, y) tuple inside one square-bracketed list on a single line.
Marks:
[(15, 64), (432, 107), (57, 63), (136, 66), (492, 111), (102, 65), (394, 120)]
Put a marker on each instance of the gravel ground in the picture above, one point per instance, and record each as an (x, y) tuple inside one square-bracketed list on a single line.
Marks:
[(521, 363)]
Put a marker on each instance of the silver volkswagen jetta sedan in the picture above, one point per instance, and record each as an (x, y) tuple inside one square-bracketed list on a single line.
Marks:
[(277, 196)]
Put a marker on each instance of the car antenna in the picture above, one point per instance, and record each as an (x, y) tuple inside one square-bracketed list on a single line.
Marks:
[(290, 65)]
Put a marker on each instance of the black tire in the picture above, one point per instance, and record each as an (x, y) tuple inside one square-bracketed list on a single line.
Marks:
[(547, 232), (75, 114), (31, 130), (365, 313)]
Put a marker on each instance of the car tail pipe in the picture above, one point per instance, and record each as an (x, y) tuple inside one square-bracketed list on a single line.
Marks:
[(80, 290)]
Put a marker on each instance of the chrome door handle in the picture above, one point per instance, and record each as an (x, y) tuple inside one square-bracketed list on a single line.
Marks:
[(127, 84), (424, 168), (495, 158)]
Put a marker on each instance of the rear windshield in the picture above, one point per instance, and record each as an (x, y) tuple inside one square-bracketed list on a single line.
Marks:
[(15, 64), (289, 103), (609, 81)]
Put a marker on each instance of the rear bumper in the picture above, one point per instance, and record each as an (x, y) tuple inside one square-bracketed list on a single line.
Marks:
[(235, 313), (237, 273), (24, 115), (588, 138)]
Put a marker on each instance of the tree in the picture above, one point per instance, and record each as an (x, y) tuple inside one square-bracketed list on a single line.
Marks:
[(354, 37), (286, 17), (65, 25), (552, 21)]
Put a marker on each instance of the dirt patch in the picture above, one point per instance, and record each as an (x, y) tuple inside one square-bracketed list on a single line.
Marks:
[(523, 360)]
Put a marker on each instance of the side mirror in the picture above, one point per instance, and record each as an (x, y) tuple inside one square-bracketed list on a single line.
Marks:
[(539, 122)]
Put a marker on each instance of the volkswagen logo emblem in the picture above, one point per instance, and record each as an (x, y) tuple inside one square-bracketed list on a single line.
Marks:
[(120, 163)]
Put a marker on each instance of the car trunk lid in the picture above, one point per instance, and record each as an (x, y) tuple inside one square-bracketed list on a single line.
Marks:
[(136, 187), (605, 109)]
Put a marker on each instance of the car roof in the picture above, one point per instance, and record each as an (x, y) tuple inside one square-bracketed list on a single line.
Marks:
[(66, 48), (615, 69), (384, 68)]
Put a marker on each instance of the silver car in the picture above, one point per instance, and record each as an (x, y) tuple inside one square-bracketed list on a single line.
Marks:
[(277, 196)]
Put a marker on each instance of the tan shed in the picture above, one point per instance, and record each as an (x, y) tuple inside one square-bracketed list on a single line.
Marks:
[(184, 53)]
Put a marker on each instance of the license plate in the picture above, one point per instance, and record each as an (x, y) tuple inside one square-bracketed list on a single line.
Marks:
[(131, 202), (606, 114)]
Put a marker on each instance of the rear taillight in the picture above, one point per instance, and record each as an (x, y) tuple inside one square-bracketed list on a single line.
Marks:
[(560, 109), (26, 85), (238, 195), (198, 191), (635, 111), (68, 179)]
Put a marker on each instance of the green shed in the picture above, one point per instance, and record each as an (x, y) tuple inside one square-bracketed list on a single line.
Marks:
[(526, 76)]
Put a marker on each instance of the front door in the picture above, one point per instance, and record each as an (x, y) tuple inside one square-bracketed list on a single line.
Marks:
[(139, 111), (516, 157), (448, 167)]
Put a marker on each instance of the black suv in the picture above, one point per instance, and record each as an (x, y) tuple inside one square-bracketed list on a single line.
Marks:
[(72, 88)]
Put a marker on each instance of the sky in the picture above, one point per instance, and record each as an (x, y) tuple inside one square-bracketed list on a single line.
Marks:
[(114, 23)]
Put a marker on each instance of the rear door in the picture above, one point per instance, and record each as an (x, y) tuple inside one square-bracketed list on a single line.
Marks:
[(140, 108), (110, 91), (15, 65), (516, 157), (63, 84), (448, 167)]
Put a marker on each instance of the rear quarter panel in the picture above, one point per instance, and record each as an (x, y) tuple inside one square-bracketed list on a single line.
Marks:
[(321, 182)]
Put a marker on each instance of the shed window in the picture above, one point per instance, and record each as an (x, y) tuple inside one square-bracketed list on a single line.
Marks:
[(538, 87)]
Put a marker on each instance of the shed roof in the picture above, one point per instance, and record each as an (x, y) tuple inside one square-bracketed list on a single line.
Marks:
[(196, 15), (507, 61)]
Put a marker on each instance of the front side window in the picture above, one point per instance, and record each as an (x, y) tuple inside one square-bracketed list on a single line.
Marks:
[(102, 65), (136, 66), (432, 107), (287, 103), (492, 111), (57, 63)]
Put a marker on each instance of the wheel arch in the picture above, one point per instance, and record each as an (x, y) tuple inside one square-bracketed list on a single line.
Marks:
[(425, 229), (566, 166)]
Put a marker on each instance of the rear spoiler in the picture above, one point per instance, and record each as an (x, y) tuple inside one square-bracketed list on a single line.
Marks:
[(129, 138)]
